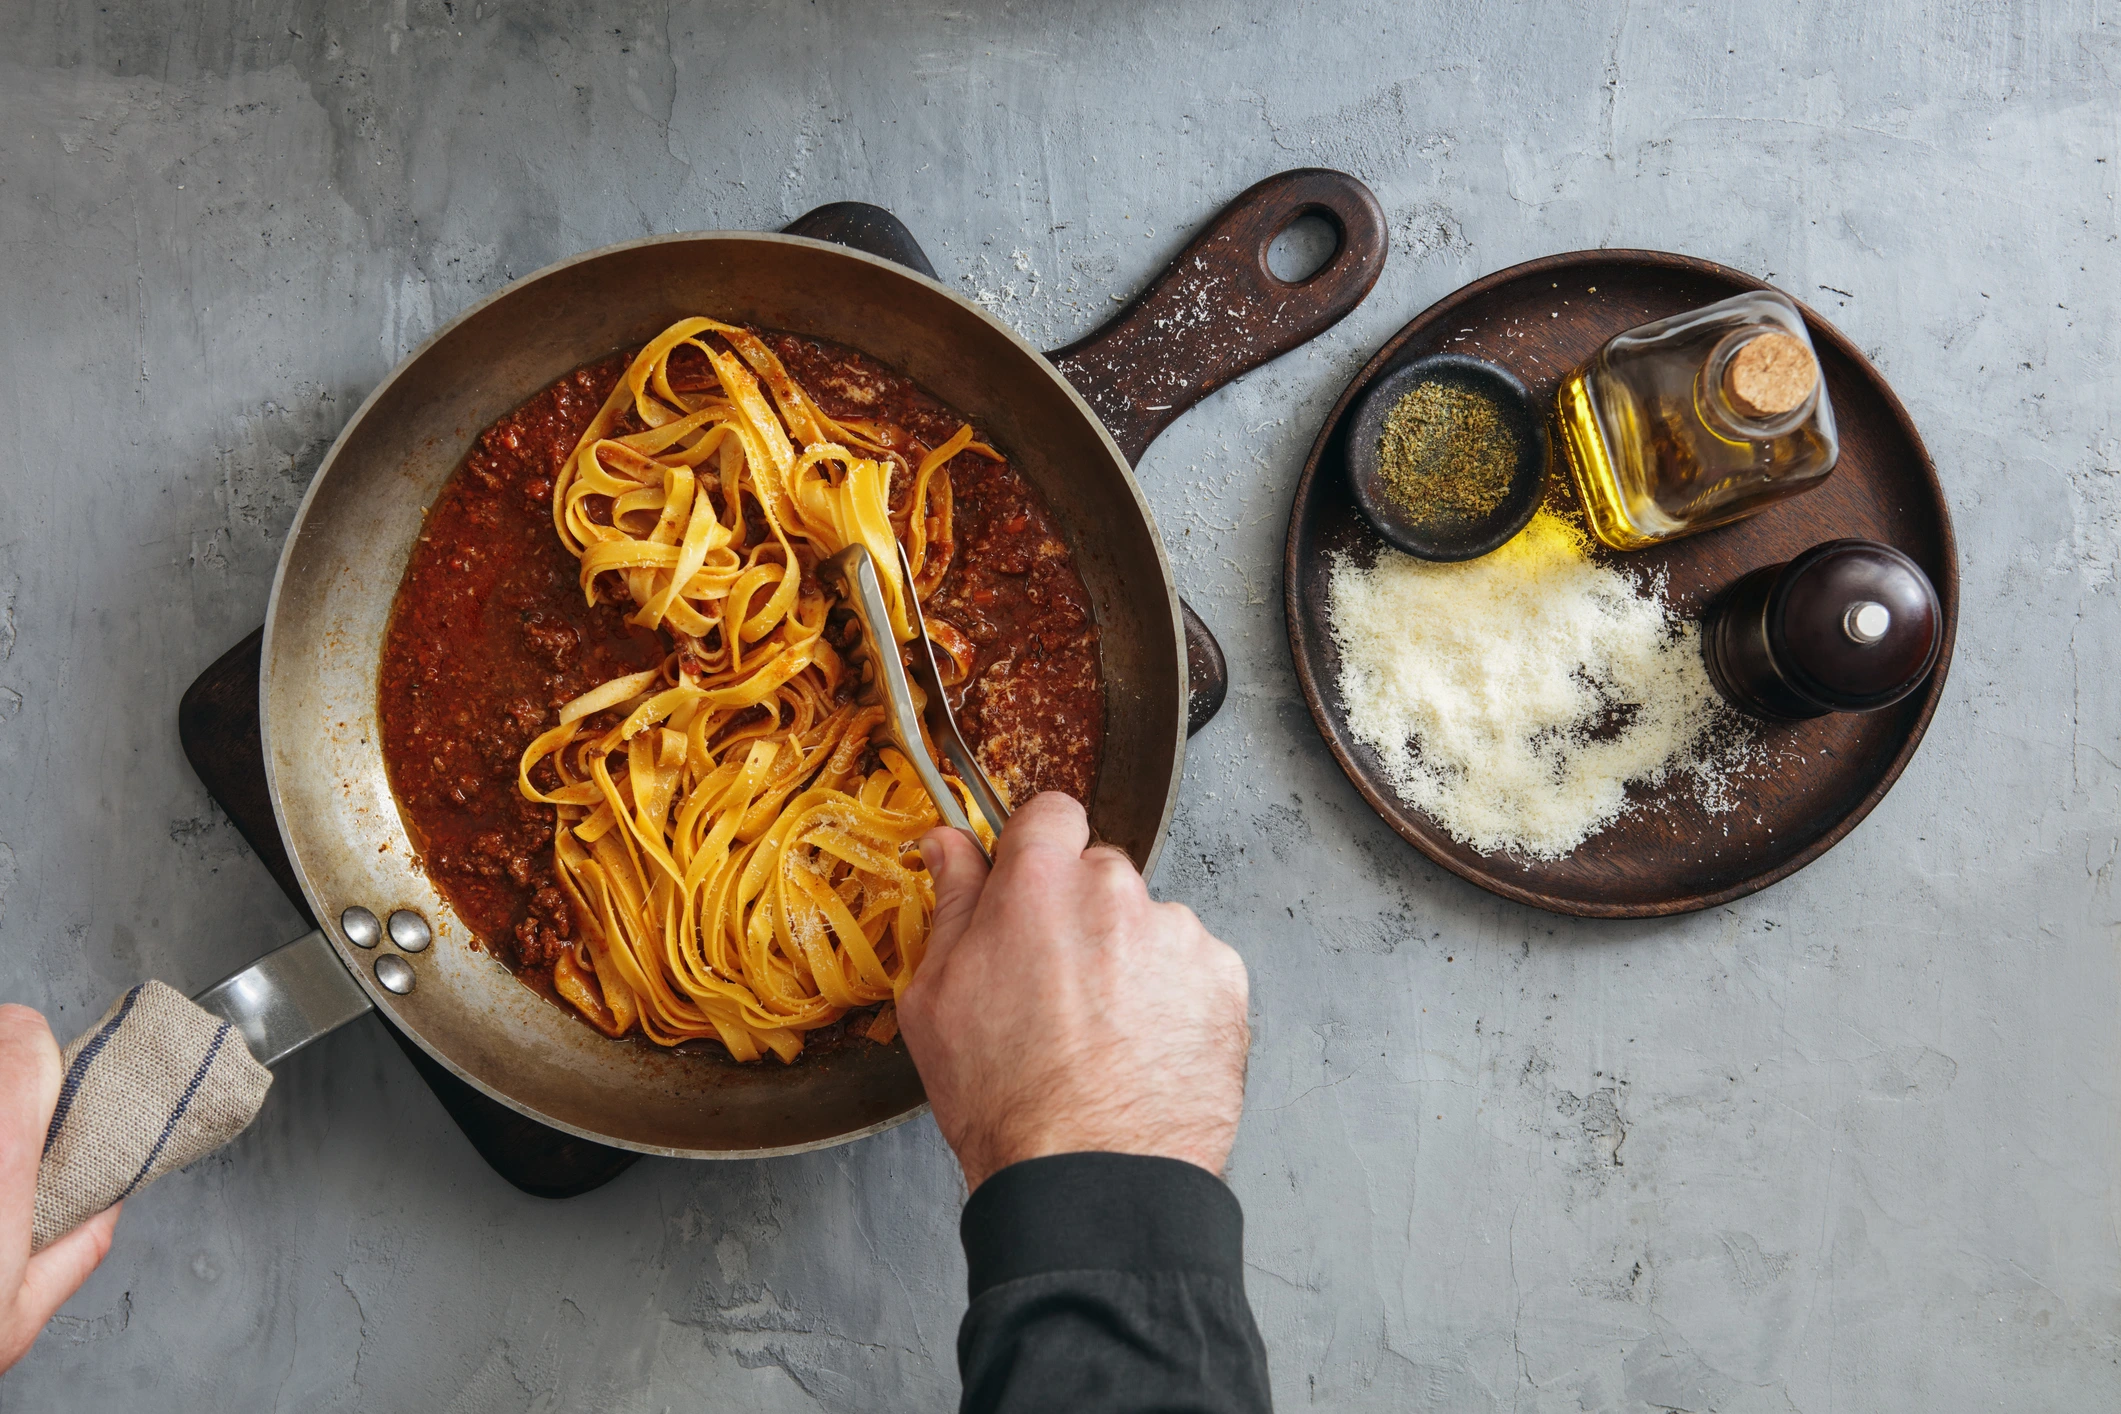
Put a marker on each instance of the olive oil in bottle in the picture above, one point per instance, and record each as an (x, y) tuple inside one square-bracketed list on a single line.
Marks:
[(1696, 421)]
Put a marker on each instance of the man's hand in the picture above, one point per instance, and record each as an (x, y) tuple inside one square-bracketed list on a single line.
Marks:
[(31, 1288), (1059, 1010)]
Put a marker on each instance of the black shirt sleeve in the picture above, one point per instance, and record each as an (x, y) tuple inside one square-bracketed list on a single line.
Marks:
[(1108, 1282)]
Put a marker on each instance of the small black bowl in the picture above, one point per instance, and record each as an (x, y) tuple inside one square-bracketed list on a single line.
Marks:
[(1448, 539)]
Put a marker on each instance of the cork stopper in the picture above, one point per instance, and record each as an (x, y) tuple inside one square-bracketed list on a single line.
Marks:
[(1772, 374)]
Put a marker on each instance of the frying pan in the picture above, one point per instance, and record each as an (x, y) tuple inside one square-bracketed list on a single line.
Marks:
[(1072, 422)]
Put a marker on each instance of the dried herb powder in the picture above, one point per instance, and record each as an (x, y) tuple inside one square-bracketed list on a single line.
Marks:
[(1446, 454)]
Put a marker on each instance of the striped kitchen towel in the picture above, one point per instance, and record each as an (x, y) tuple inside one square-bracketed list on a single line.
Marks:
[(157, 1083)]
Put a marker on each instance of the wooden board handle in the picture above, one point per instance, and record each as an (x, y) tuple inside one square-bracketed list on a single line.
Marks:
[(1217, 312)]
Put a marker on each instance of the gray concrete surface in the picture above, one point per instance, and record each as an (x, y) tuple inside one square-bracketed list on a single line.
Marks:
[(1850, 1144)]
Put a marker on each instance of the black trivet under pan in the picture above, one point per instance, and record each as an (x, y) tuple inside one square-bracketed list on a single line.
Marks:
[(218, 724)]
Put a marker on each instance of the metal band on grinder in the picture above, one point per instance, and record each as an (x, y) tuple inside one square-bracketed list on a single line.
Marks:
[(155, 1085)]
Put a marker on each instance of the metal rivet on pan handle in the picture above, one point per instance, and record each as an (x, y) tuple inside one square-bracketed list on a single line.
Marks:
[(360, 927), (394, 972), (410, 931)]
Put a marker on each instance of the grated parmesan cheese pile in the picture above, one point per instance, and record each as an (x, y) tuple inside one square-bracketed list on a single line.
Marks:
[(1514, 697)]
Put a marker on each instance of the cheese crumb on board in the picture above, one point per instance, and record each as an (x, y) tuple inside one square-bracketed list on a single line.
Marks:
[(1514, 698)]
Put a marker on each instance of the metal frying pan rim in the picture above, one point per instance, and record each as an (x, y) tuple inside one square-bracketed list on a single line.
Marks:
[(384, 1000)]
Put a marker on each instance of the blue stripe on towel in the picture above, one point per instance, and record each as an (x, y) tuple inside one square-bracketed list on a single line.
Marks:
[(70, 1087), (198, 1078)]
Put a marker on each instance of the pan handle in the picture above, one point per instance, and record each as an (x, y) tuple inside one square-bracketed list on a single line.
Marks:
[(161, 1081), (291, 996), (1217, 312)]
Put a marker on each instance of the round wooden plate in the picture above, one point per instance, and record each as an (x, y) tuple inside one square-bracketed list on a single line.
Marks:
[(1811, 782)]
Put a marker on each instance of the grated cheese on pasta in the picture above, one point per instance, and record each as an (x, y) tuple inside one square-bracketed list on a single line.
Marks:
[(1513, 698)]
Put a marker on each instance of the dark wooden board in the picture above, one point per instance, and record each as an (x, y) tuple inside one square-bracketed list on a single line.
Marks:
[(1811, 782)]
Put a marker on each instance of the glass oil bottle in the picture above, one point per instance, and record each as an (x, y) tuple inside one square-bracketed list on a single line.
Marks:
[(1696, 421)]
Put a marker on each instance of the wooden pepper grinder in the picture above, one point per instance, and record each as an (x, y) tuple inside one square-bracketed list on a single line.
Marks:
[(1847, 626)]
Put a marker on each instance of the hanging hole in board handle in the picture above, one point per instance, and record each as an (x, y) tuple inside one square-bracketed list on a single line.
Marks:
[(1305, 246)]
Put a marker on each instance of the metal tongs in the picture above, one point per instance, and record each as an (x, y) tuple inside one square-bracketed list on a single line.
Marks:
[(854, 571)]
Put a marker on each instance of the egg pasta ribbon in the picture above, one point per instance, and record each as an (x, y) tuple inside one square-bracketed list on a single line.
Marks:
[(733, 842)]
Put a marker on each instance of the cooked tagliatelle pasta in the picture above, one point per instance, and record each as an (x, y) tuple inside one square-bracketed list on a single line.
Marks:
[(734, 845)]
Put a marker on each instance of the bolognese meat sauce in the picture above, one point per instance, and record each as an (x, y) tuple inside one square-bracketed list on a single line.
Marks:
[(490, 635)]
